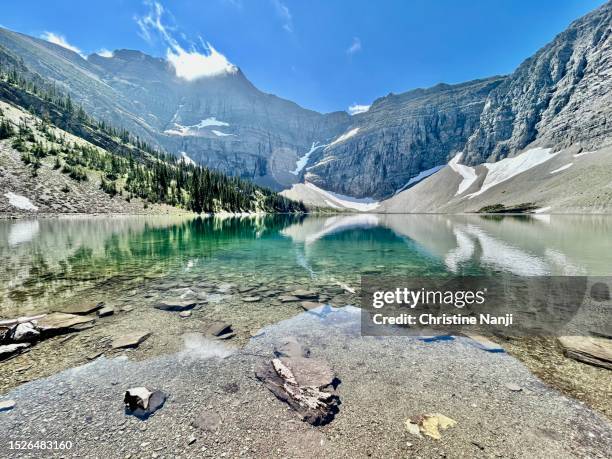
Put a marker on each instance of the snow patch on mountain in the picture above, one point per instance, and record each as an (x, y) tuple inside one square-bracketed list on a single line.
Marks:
[(345, 136), (220, 134), (186, 159), (510, 167), (468, 173), (420, 176), (194, 129), (339, 200), (562, 168), (301, 162), (21, 202)]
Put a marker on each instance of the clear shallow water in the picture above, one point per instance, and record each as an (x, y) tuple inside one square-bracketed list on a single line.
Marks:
[(46, 263)]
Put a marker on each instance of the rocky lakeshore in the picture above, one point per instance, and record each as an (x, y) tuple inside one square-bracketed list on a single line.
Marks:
[(217, 407)]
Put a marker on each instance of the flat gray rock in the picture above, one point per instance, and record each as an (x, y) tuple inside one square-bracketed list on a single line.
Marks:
[(130, 340), (176, 305), (305, 294)]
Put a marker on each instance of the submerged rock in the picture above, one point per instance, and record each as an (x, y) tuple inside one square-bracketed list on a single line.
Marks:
[(251, 299), (290, 347), (304, 294), (130, 340), (306, 385), (59, 322), (184, 314), (429, 424), (82, 309), (176, 305), (207, 420), (288, 298), (142, 403)]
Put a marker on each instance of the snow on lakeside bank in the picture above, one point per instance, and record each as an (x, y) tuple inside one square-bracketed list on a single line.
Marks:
[(468, 173), (507, 168), (339, 201), (21, 202), (420, 176)]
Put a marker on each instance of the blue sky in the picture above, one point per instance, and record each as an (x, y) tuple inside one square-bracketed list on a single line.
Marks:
[(325, 55)]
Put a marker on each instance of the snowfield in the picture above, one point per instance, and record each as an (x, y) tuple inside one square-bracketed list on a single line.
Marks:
[(339, 201), (220, 134), (195, 129), (21, 202), (186, 159), (420, 176), (343, 137), (468, 173), (301, 162), (509, 167), (562, 168)]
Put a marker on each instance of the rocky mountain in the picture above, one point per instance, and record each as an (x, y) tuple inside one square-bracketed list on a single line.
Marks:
[(562, 96), (400, 136), (221, 121)]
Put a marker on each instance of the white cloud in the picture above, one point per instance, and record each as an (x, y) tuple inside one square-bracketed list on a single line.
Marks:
[(61, 41), (104, 53), (284, 14), (188, 64), (356, 108), (355, 46)]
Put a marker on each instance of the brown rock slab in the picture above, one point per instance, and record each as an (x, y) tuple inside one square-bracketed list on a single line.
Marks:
[(251, 299), (288, 298), (133, 339), (304, 384), (588, 349), (218, 329), (305, 294), (309, 305), (82, 309), (176, 305), (57, 322)]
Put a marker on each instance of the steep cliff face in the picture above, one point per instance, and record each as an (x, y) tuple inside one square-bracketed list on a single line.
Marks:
[(223, 121), (561, 96), (399, 137)]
